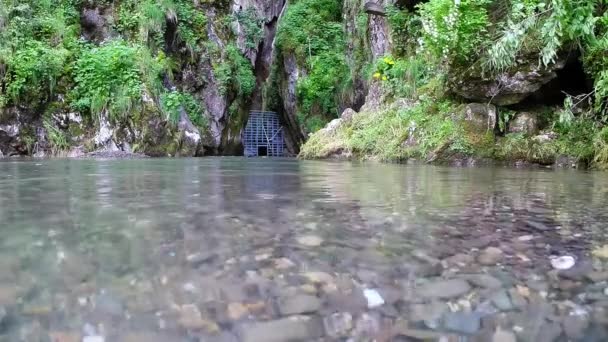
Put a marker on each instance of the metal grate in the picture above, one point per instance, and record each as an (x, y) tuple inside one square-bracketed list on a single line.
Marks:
[(263, 135)]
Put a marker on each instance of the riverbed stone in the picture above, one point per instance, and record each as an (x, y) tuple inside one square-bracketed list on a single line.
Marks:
[(597, 276), (293, 328), (446, 289), (490, 256), (501, 300), (575, 326), (429, 313), (299, 304), (503, 336), (353, 301), (237, 311), (460, 259), (191, 318), (462, 322), (319, 277), (310, 240), (579, 271), (63, 336), (484, 281), (338, 324)]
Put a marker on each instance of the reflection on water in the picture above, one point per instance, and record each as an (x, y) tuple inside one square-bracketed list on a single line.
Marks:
[(215, 248)]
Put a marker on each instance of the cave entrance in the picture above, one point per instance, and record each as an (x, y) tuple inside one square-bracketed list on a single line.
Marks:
[(263, 135), (571, 80)]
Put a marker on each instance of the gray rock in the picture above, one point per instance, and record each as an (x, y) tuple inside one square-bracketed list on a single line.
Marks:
[(504, 336), (507, 88), (518, 300), (367, 325), (348, 114), (524, 122), (462, 322), (579, 271), (575, 326), (353, 302), (444, 289), (481, 115), (430, 313), (548, 332), (109, 304), (338, 324), (299, 304), (484, 280), (374, 8), (597, 277), (490, 256), (501, 300), (294, 328)]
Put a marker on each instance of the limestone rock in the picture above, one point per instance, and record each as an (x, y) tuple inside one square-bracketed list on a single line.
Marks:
[(310, 240), (338, 324), (462, 322), (444, 289), (481, 115), (503, 336), (347, 114), (507, 88), (524, 122), (294, 328), (299, 304), (490, 256), (374, 8)]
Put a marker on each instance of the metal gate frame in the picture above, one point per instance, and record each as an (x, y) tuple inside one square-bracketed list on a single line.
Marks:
[(263, 130)]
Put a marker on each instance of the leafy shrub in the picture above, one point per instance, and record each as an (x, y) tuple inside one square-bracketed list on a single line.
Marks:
[(402, 76), (405, 29), (312, 31), (252, 26), (235, 73), (108, 78), (453, 31), (174, 101), (32, 72), (56, 137)]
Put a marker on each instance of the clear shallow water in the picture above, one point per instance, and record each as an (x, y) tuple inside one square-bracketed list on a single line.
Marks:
[(210, 249)]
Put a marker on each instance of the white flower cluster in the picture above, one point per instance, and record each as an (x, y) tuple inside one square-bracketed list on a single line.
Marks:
[(446, 35)]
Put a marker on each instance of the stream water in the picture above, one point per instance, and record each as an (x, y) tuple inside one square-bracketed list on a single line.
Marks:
[(232, 249)]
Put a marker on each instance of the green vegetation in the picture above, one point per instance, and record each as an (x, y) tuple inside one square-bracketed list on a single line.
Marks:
[(234, 73), (174, 101), (134, 55), (312, 31), (392, 134), (443, 40)]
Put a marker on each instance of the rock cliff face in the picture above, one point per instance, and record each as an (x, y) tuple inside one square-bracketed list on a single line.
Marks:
[(23, 131), (250, 26)]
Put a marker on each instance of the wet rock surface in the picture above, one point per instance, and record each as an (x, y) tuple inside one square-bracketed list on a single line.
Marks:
[(301, 256)]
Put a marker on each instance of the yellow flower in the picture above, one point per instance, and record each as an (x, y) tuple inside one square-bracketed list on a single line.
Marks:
[(384, 78), (377, 75), (388, 60)]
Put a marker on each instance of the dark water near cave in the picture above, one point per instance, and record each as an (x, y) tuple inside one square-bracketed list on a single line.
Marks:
[(202, 249)]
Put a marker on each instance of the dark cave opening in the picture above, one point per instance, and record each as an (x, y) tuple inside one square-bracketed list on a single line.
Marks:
[(571, 80)]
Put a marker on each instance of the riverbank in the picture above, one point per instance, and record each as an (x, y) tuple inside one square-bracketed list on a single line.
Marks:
[(452, 133)]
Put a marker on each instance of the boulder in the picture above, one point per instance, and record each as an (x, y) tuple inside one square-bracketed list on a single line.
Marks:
[(374, 9), (95, 23), (347, 114), (524, 122), (190, 136), (481, 115), (506, 88)]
